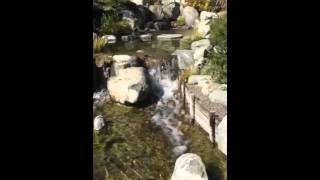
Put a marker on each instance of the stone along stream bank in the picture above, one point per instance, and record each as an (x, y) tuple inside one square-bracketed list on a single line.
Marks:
[(143, 142)]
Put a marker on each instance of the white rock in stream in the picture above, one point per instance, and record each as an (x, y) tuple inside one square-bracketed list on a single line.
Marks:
[(110, 38), (129, 86), (146, 37), (98, 123), (169, 36), (122, 61), (189, 166), (221, 135)]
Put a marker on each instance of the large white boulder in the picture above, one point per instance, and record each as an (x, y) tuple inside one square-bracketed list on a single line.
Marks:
[(190, 14), (122, 61), (189, 166), (218, 96), (203, 43), (129, 86), (98, 123), (221, 135)]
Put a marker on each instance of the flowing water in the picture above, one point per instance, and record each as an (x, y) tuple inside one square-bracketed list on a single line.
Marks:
[(143, 143)]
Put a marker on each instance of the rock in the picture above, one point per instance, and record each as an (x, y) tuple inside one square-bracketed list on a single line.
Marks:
[(138, 2), (199, 62), (127, 38), (205, 15), (185, 58), (221, 135), (203, 28), (162, 25), (98, 123), (169, 36), (123, 61), (209, 87), (199, 53), (203, 43), (200, 80), (190, 14), (129, 17), (140, 51), (110, 38), (129, 86), (146, 37), (144, 16), (218, 96), (101, 59), (178, 150), (189, 166), (157, 11), (171, 10)]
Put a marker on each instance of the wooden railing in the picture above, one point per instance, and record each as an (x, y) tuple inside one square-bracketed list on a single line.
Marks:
[(198, 113)]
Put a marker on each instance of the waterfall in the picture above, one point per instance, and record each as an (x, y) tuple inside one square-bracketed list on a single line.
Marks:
[(167, 111)]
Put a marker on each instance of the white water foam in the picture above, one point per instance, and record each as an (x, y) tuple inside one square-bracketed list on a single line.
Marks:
[(99, 97), (167, 112)]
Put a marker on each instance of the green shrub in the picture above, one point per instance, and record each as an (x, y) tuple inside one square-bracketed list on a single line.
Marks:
[(217, 65), (98, 44), (181, 21), (186, 41)]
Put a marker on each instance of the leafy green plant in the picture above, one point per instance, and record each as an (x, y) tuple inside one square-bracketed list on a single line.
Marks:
[(181, 21), (217, 65), (98, 44)]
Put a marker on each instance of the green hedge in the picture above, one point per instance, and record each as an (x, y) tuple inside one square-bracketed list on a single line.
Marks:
[(217, 65)]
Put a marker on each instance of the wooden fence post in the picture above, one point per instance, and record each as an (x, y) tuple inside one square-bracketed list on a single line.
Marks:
[(212, 116), (193, 110), (184, 94)]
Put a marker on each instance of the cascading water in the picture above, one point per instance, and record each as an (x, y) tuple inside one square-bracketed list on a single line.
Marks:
[(166, 114), (99, 98)]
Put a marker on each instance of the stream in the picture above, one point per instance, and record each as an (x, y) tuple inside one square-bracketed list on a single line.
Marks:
[(143, 142)]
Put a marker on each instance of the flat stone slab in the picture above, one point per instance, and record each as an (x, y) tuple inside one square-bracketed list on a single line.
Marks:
[(169, 36)]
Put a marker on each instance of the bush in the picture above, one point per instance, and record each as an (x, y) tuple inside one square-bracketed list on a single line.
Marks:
[(111, 24), (181, 21), (188, 39), (217, 65), (98, 44)]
